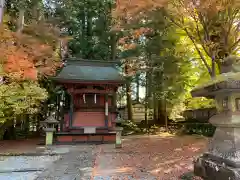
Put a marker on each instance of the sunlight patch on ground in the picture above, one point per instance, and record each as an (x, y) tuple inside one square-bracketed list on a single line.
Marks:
[(169, 162), (178, 149), (156, 171), (194, 149), (117, 170), (165, 134)]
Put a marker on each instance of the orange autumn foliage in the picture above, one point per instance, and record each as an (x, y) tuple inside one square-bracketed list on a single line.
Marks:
[(130, 11), (127, 10), (25, 57), (126, 42), (19, 66)]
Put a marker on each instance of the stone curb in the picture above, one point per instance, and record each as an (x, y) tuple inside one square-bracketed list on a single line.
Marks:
[(30, 154), (22, 170)]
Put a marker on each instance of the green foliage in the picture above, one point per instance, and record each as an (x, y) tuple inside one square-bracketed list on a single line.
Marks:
[(205, 129), (89, 23), (173, 73), (19, 98), (213, 29), (172, 67), (33, 10), (130, 126), (176, 111), (199, 103)]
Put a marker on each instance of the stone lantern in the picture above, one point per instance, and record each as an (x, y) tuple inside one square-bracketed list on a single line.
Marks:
[(118, 143), (222, 161), (49, 128)]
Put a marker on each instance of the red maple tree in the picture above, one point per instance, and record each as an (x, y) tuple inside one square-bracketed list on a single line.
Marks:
[(25, 57)]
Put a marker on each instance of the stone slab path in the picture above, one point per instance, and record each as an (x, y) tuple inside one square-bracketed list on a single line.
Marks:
[(26, 163), (63, 163)]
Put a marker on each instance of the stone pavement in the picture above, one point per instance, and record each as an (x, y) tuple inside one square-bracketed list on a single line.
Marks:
[(59, 162), (76, 165), (24, 167)]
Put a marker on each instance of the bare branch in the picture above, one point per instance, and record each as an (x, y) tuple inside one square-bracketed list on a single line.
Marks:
[(234, 45), (199, 52), (198, 33), (205, 27), (194, 43)]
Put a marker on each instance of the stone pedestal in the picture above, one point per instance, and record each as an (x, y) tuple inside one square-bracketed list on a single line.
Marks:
[(118, 143), (222, 161), (49, 135)]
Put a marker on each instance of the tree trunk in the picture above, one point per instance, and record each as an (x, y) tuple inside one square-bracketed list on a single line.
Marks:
[(89, 34), (213, 75), (161, 113), (2, 2), (146, 115), (138, 86), (129, 100), (165, 114), (26, 123), (113, 47), (10, 133), (20, 20), (146, 100), (57, 105), (155, 108)]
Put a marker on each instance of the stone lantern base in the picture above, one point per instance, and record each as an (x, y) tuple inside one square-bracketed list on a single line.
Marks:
[(118, 143), (49, 135), (211, 167)]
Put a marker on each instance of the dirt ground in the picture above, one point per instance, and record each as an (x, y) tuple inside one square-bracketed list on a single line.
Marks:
[(19, 146), (150, 157)]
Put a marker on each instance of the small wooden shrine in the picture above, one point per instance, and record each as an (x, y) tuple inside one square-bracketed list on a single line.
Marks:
[(90, 108)]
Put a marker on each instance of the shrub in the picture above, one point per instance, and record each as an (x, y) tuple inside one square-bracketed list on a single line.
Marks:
[(205, 129), (130, 126)]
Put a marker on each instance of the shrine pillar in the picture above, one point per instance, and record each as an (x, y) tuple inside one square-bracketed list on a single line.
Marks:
[(106, 110), (71, 110)]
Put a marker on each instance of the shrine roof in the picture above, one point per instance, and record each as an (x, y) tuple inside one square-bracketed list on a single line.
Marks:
[(89, 70)]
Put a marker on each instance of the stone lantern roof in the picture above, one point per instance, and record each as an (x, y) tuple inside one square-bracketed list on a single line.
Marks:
[(227, 81), (50, 120)]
